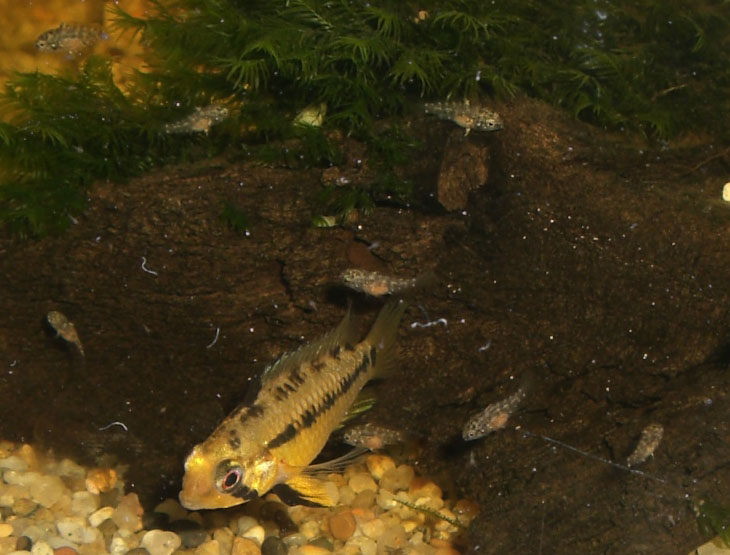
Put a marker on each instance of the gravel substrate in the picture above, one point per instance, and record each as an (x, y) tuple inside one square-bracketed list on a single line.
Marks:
[(50, 506)]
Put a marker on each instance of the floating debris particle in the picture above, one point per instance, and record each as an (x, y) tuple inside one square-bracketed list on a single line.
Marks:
[(200, 121), (379, 285), (64, 329), (74, 39), (270, 441), (650, 438), (496, 415), (464, 115), (371, 436)]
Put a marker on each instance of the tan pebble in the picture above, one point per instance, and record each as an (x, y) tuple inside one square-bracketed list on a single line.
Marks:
[(410, 525), (255, 533), (310, 529), (342, 525), (128, 514), (386, 500), (101, 480), (337, 479), (65, 551), (97, 517), (433, 503), (29, 455), (447, 551), (346, 495), (423, 487), (224, 537), (440, 543), (211, 547), (245, 546), (363, 514), (393, 537), (364, 500), (311, 550), (5, 530), (379, 465), (366, 545), (373, 529), (362, 481), (171, 508)]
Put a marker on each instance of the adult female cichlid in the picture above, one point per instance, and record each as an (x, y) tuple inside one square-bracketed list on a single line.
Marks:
[(268, 443)]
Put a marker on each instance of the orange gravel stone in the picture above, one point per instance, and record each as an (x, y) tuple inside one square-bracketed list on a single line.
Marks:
[(65, 551), (342, 525)]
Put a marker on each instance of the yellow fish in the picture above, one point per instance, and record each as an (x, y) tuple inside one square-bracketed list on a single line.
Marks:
[(268, 443)]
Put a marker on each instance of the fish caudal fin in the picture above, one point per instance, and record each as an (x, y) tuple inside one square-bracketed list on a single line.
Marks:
[(383, 334), (305, 490)]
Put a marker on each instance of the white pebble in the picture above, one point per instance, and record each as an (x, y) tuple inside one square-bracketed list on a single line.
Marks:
[(726, 192), (255, 533), (13, 462), (118, 546), (244, 524), (159, 542), (373, 529), (365, 545), (41, 548), (67, 467), (309, 529), (71, 528), (362, 481), (100, 516), (47, 490), (84, 503)]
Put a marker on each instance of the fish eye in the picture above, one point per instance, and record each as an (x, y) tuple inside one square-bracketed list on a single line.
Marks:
[(230, 475)]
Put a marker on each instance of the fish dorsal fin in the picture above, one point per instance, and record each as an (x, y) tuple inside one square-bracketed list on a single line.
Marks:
[(304, 490), (345, 332), (336, 465)]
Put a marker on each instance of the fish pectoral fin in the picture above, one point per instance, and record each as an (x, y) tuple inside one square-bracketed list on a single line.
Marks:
[(304, 490)]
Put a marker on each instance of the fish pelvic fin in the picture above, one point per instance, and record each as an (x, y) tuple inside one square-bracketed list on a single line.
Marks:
[(383, 334), (304, 490)]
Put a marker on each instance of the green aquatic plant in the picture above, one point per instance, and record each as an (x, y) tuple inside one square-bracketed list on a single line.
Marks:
[(431, 512), (654, 68), (234, 217), (713, 519)]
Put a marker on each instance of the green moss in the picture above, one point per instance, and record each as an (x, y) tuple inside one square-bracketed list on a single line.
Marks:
[(234, 217), (654, 68), (713, 520)]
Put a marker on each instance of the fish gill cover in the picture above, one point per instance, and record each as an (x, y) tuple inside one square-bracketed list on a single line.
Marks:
[(656, 68)]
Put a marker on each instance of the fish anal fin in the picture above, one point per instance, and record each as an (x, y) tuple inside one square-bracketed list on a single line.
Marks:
[(304, 490)]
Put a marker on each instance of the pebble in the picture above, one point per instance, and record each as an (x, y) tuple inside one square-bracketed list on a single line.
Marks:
[(244, 524), (726, 192), (63, 551), (160, 542), (342, 525), (24, 543), (364, 544), (310, 550), (190, 532), (42, 548), (379, 465), (255, 533), (397, 478), (274, 546), (128, 514), (361, 482), (13, 462), (101, 480), (5, 530), (310, 529), (373, 529), (99, 516), (245, 546), (84, 503), (211, 547)]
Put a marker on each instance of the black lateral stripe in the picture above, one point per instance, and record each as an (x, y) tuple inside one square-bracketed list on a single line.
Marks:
[(318, 366), (349, 347), (373, 352), (336, 352), (292, 497), (289, 433), (281, 393), (310, 416), (289, 387)]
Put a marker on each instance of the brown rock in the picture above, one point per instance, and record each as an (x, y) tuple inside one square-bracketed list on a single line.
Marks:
[(342, 525), (464, 167)]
